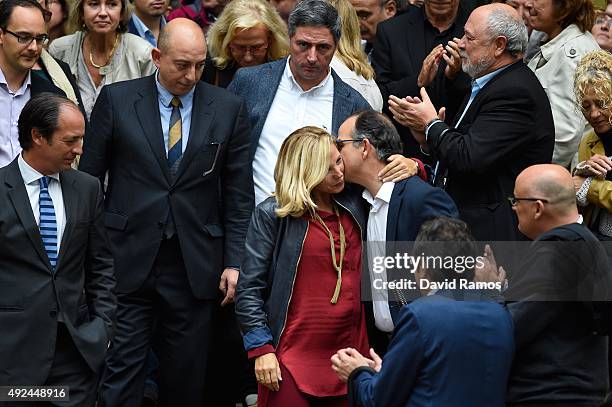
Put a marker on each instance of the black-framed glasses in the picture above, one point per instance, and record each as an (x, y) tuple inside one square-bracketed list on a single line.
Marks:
[(26, 39), (514, 200), (341, 143)]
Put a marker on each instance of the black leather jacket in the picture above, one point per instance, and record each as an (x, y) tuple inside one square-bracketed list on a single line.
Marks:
[(273, 251)]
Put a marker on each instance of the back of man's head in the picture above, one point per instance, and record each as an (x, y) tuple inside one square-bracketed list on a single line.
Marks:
[(380, 132), (447, 248), (315, 13), (504, 21)]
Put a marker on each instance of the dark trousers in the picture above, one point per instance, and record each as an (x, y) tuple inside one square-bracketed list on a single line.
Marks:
[(69, 369), (180, 340)]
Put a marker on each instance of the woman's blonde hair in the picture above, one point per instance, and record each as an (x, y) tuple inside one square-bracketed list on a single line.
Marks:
[(594, 76), (349, 47), (303, 162), (76, 22), (241, 15)]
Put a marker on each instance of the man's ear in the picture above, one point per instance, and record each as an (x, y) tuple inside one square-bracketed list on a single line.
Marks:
[(500, 45), (367, 149), (156, 56), (390, 8), (37, 137), (539, 210)]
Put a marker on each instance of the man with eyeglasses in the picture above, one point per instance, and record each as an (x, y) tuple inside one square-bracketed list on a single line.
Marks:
[(561, 322), (397, 210), (23, 32)]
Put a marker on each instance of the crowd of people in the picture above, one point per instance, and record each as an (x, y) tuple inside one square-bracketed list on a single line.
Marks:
[(194, 196)]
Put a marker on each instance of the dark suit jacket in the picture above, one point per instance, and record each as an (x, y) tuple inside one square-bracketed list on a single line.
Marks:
[(40, 85), (559, 359), (258, 85), (399, 52), (211, 198), (32, 297), (413, 202), (444, 352), (507, 128)]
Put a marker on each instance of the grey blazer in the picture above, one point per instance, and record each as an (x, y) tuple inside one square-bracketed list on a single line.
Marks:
[(258, 85)]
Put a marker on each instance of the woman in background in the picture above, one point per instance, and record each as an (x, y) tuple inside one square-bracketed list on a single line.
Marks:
[(567, 25), (102, 52), (593, 176), (350, 62), (248, 33)]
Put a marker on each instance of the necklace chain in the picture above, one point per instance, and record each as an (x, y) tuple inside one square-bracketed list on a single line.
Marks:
[(110, 54), (336, 263)]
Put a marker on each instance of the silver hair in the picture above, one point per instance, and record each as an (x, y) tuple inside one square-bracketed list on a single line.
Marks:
[(315, 13), (502, 23)]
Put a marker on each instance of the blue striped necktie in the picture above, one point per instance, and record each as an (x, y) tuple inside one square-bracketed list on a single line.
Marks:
[(48, 223)]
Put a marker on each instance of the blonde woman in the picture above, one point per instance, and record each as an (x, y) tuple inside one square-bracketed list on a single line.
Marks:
[(593, 90), (102, 52), (248, 33), (350, 62), (298, 296)]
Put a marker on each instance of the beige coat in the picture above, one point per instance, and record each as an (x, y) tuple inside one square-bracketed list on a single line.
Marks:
[(562, 55), (134, 62)]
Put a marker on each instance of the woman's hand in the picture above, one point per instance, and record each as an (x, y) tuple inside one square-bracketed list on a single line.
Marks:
[(398, 169), (267, 371), (600, 165)]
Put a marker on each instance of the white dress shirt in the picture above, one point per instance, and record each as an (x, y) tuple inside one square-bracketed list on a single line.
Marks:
[(11, 105), (377, 235), (292, 108), (30, 178)]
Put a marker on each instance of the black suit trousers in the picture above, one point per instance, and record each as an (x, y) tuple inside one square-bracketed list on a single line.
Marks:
[(162, 314)]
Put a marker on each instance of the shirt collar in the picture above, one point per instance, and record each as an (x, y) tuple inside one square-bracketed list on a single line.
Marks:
[(26, 83), (483, 80), (289, 75), (142, 28), (383, 196), (29, 174), (165, 97)]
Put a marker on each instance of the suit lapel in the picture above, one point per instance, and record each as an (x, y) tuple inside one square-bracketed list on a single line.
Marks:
[(21, 203), (147, 111), (393, 213), (202, 113), (71, 203)]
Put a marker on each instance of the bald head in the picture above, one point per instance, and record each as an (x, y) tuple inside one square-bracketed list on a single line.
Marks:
[(551, 182), (180, 30), (180, 56), (546, 199)]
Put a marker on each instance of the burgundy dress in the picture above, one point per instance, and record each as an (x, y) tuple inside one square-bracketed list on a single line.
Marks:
[(315, 328)]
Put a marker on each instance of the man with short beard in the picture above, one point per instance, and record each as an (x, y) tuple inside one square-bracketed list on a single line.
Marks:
[(503, 127), (148, 19)]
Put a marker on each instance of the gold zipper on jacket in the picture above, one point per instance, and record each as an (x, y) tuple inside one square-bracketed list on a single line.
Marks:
[(293, 283)]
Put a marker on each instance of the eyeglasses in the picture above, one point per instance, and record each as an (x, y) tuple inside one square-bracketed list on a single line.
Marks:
[(604, 20), (252, 49), (26, 39), (341, 143), (514, 200)]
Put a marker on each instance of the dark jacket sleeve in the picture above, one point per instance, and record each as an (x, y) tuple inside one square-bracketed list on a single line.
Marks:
[(478, 149), (382, 63), (99, 273), (252, 289), (97, 141), (237, 190), (391, 386)]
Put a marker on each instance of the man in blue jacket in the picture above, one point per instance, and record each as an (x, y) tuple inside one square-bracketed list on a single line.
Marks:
[(452, 347), (397, 210)]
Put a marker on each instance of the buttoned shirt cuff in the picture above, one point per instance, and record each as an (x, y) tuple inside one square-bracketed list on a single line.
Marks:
[(581, 195)]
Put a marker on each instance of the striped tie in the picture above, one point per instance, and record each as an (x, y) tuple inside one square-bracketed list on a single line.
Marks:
[(175, 144), (48, 224)]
